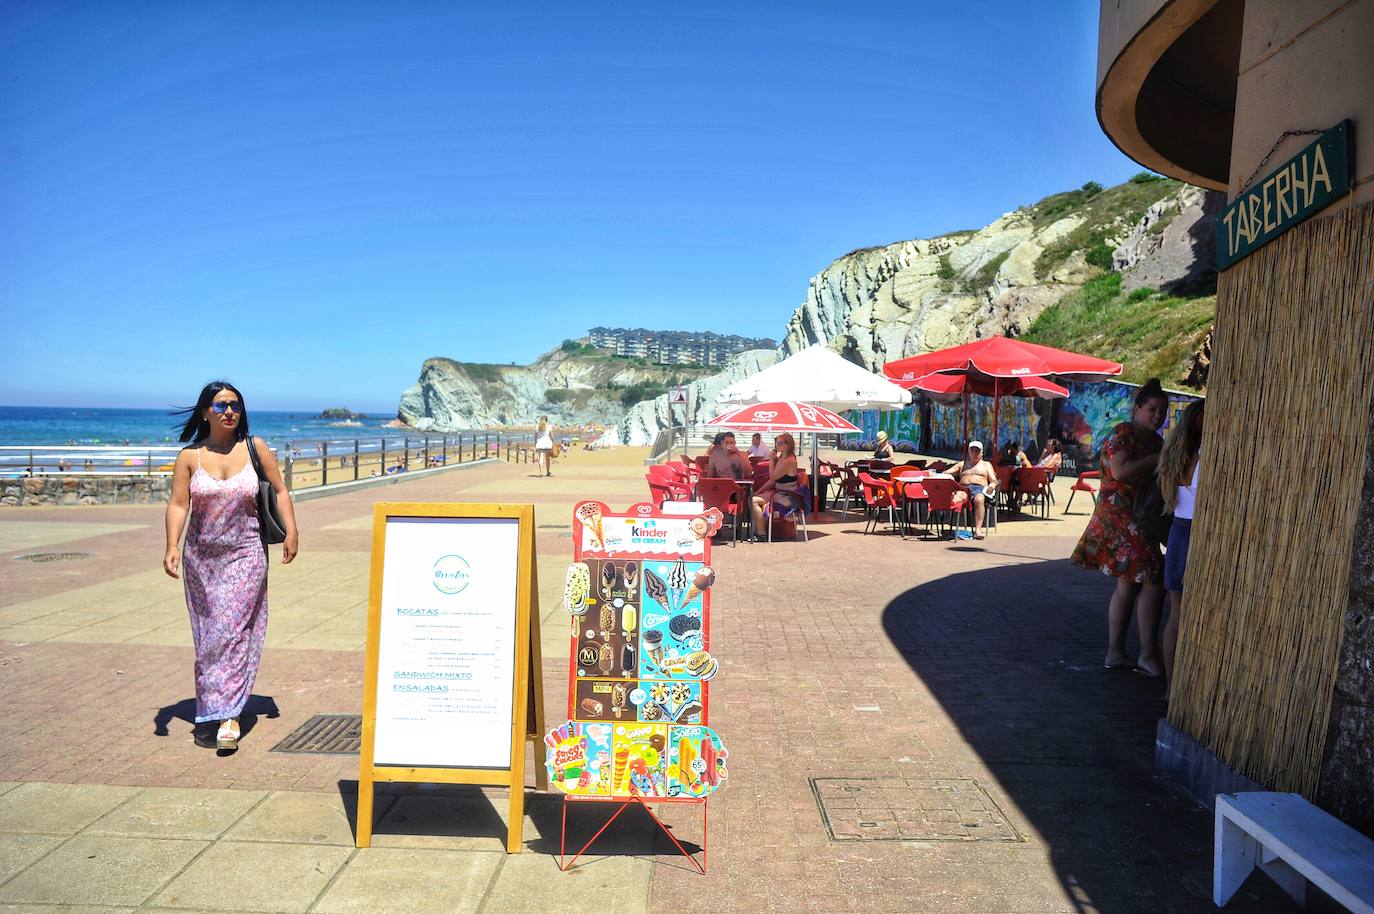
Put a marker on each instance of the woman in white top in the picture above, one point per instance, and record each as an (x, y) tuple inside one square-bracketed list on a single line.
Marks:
[(1179, 461), (543, 446)]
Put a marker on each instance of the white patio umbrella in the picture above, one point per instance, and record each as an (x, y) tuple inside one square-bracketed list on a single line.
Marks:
[(820, 376)]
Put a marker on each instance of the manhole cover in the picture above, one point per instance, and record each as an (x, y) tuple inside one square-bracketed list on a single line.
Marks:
[(54, 556), (325, 734), (910, 809)]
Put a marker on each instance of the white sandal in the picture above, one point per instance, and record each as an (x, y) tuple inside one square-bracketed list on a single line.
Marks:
[(226, 738)]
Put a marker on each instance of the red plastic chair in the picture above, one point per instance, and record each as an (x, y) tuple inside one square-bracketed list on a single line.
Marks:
[(1083, 484), (877, 496), (787, 506), (912, 495), (661, 492), (1033, 485), (726, 495), (941, 501), (847, 487)]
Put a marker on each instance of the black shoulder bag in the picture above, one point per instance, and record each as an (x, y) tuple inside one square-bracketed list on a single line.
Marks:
[(269, 517), (1149, 512)]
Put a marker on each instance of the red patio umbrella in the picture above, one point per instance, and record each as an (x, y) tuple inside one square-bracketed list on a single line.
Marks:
[(782, 416), (950, 388), (996, 359)]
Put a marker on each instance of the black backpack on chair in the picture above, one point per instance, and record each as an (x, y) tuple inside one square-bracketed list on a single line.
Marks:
[(1150, 516)]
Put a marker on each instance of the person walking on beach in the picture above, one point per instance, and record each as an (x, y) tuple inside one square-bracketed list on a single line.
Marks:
[(543, 447), (1178, 475), (224, 561), (1114, 544)]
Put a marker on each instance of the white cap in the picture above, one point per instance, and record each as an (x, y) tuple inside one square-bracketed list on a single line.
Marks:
[(975, 444)]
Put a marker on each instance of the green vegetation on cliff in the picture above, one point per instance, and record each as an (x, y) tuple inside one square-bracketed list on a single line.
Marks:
[(1150, 334), (1105, 213)]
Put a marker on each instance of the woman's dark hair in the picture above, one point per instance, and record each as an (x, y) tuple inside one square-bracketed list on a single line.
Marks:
[(1053, 446), (1149, 391), (197, 426)]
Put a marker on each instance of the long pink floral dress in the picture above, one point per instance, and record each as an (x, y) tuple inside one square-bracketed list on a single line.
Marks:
[(225, 571)]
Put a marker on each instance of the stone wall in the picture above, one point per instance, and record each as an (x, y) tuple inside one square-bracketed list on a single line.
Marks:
[(85, 490)]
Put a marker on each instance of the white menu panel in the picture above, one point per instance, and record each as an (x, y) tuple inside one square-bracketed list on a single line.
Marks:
[(446, 660)]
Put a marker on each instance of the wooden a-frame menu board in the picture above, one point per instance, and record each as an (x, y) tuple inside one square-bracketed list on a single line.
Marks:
[(452, 689)]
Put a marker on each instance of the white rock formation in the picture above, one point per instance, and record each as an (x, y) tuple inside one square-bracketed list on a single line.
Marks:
[(643, 421), (1173, 247)]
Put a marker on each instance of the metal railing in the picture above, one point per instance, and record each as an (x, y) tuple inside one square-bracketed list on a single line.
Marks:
[(304, 464)]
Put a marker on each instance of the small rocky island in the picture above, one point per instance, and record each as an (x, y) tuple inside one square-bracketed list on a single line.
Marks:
[(339, 412)]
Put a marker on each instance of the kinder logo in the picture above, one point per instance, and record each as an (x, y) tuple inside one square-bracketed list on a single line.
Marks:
[(451, 574)]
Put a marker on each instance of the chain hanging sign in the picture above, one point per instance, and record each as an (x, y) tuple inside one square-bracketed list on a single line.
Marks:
[(1304, 185)]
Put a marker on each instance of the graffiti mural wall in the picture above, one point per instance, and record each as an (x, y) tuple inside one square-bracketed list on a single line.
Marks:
[(1081, 422)]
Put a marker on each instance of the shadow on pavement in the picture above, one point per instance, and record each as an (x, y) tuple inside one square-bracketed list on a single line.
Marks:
[(1014, 656), (257, 706)]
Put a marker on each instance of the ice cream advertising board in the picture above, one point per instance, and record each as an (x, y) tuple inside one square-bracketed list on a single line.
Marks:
[(452, 675), (638, 598)]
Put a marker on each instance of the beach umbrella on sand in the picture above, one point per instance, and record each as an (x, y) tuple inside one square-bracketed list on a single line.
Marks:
[(1001, 362)]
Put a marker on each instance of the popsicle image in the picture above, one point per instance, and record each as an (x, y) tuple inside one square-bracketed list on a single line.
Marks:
[(677, 584), (630, 572), (606, 659), (628, 618), (608, 576), (654, 587), (590, 515), (621, 771), (701, 582), (607, 619), (577, 585), (685, 757), (653, 643), (628, 665)]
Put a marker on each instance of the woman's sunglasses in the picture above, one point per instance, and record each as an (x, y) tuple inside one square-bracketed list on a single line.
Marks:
[(220, 407)]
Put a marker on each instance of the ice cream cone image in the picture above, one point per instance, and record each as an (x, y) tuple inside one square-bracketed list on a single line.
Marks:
[(590, 515), (621, 773), (577, 585), (701, 582), (677, 584), (653, 646), (655, 588)]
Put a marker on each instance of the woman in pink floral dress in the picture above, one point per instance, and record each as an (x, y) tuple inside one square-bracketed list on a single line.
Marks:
[(224, 563), (1115, 545)]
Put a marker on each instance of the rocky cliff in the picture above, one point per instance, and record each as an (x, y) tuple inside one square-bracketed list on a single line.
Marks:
[(643, 421), (569, 387), (883, 303)]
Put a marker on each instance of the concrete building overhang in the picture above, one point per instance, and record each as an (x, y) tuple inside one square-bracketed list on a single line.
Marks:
[(1166, 84)]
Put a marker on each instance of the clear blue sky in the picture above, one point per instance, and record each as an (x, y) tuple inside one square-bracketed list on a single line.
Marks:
[(313, 198)]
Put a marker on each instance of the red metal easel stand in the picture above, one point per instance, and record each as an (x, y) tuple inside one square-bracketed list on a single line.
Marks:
[(565, 864)]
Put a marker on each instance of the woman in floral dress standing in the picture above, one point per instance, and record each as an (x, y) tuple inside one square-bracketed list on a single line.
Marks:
[(224, 562), (1115, 545)]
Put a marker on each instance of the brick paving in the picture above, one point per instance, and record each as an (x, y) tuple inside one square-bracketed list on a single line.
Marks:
[(963, 682)]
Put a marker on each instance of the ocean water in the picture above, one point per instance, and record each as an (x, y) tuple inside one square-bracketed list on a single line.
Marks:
[(80, 426)]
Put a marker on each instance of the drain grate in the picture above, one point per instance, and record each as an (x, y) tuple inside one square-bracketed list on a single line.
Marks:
[(54, 556), (910, 809), (325, 734)]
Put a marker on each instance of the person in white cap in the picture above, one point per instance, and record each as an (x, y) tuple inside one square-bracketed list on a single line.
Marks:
[(978, 476)]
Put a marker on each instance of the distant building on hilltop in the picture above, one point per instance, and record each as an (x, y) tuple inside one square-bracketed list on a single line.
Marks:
[(673, 347)]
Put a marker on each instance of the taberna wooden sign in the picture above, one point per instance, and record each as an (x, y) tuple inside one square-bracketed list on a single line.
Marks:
[(452, 689), (1301, 187)]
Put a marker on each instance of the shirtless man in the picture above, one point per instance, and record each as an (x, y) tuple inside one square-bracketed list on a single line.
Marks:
[(981, 479)]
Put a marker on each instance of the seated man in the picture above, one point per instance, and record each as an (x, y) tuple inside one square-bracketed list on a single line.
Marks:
[(980, 478), (724, 461)]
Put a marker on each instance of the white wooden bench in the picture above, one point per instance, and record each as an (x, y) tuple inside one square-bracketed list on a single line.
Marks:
[(1293, 842)]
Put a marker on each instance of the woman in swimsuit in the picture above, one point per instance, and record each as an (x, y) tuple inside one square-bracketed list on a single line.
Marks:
[(782, 475)]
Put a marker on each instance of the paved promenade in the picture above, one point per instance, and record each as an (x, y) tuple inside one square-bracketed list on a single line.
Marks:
[(913, 726)]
